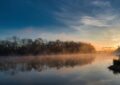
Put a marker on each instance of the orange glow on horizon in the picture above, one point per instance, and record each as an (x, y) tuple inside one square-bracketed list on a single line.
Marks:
[(105, 48)]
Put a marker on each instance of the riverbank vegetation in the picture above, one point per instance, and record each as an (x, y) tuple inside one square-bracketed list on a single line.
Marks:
[(117, 50), (17, 46)]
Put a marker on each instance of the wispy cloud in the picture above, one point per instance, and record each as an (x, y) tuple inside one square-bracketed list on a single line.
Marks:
[(92, 21), (100, 26), (101, 3)]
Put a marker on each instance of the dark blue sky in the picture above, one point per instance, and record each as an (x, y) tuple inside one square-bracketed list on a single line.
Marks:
[(23, 13), (79, 20)]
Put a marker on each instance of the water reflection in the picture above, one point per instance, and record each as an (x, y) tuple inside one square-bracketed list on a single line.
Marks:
[(43, 63), (58, 70)]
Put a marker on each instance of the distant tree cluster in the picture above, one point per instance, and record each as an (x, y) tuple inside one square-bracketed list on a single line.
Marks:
[(17, 46), (117, 51)]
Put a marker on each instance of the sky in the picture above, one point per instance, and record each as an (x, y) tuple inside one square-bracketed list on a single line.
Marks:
[(92, 21)]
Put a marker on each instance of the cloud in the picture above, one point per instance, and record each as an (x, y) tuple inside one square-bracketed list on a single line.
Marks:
[(102, 29), (101, 3), (100, 20), (91, 21), (97, 26)]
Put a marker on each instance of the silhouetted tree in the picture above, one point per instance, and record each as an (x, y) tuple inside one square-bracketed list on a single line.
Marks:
[(17, 46)]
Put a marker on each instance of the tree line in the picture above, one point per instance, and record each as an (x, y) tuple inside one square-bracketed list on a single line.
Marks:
[(17, 46)]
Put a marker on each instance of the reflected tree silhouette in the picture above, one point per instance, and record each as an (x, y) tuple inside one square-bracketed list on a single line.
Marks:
[(44, 63)]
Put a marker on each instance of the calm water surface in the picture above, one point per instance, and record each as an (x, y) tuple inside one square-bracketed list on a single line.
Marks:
[(90, 69)]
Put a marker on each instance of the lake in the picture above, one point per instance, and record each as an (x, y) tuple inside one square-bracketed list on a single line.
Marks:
[(82, 69)]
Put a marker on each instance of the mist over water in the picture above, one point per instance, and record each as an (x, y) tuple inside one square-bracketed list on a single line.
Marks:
[(75, 69)]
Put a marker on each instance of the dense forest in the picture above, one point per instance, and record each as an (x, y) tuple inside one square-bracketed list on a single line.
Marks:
[(17, 46)]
